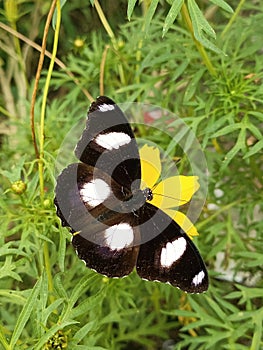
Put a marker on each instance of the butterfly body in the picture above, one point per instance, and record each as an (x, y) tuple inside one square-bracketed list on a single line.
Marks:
[(114, 225)]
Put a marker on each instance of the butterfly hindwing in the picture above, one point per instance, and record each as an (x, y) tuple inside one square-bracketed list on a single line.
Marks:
[(90, 202), (108, 261), (170, 256)]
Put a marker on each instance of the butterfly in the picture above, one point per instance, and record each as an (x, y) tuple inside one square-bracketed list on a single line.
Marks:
[(114, 226)]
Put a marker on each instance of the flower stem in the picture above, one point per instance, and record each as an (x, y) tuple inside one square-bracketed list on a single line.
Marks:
[(42, 139), (109, 31), (233, 18), (44, 103)]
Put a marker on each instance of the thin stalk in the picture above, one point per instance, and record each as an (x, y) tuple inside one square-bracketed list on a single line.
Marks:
[(3, 339), (104, 21), (38, 73), (200, 47), (102, 69), (44, 103), (47, 54), (11, 9), (233, 18), (41, 143), (145, 6), (109, 31)]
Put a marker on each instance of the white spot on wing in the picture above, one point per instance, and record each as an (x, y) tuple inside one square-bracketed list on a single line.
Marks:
[(105, 107), (198, 278), (172, 252), (119, 236), (112, 140), (95, 192)]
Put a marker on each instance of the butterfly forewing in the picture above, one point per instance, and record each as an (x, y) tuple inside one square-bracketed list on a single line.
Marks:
[(109, 144)]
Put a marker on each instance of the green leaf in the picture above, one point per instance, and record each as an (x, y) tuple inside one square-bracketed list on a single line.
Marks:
[(89, 303), (223, 5), (131, 5), (15, 172), (7, 269), (179, 70), (227, 130), (254, 149), (172, 14), (215, 306), (80, 288), (83, 331), (51, 308), (193, 85), (14, 297), (257, 337), (254, 130), (59, 286), (149, 14), (199, 21), (62, 249), (253, 258), (25, 313), (240, 145), (200, 24)]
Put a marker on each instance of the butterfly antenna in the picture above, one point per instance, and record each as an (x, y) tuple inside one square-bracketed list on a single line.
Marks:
[(174, 198)]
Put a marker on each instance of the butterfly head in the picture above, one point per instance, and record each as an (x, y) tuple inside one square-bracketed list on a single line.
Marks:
[(147, 192)]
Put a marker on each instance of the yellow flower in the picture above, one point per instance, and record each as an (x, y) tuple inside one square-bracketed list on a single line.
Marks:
[(169, 193)]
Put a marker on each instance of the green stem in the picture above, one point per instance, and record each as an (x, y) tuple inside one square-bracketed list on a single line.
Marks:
[(104, 21), (145, 7), (200, 47), (233, 18), (3, 340), (109, 31), (41, 143), (12, 10), (44, 103)]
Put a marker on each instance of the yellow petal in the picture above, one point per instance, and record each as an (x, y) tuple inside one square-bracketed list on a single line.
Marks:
[(175, 191), (183, 221), (151, 166)]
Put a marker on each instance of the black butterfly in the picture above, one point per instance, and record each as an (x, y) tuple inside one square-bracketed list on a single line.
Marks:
[(114, 225)]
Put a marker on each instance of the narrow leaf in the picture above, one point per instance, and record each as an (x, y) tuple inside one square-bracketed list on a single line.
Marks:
[(150, 13), (200, 24), (83, 331), (227, 130), (25, 313), (223, 5), (199, 21), (192, 86), (131, 5), (254, 149), (172, 14)]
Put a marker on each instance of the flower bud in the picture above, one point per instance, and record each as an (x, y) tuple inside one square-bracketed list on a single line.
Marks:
[(19, 187)]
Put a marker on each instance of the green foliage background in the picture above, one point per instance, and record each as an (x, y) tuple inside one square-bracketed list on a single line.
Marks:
[(202, 60)]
